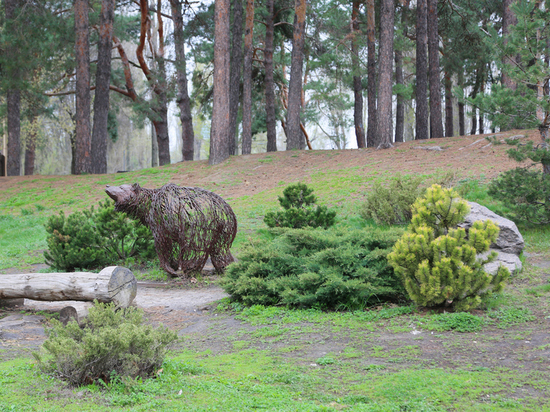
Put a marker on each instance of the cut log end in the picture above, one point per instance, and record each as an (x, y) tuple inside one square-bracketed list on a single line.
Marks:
[(122, 286)]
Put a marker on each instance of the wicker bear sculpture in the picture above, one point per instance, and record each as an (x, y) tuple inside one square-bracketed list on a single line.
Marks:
[(189, 224)]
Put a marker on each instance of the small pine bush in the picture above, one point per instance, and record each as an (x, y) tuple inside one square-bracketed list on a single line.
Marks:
[(526, 192), (439, 265), (111, 343), (312, 268), (91, 239), (391, 204), (298, 203)]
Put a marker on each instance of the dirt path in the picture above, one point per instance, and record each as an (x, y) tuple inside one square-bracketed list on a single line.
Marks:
[(22, 327)]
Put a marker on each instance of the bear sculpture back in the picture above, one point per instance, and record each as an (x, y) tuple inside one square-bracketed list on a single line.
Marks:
[(189, 224)]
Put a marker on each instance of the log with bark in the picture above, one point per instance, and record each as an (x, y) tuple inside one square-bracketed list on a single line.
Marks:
[(113, 284)]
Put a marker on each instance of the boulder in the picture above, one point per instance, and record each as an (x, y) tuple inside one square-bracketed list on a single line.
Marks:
[(509, 243), (509, 239), (509, 260)]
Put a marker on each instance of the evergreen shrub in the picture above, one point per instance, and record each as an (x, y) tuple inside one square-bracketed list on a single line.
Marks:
[(526, 192), (299, 211), (439, 265), (110, 343), (313, 268), (391, 204), (95, 238)]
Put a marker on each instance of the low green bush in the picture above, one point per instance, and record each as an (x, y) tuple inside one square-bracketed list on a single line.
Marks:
[(299, 211), (391, 204), (111, 343), (326, 269), (95, 238), (526, 192), (438, 263)]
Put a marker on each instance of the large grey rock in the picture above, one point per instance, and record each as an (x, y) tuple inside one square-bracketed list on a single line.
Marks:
[(509, 239), (508, 260)]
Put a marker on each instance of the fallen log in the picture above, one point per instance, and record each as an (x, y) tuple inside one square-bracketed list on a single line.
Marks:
[(113, 284)]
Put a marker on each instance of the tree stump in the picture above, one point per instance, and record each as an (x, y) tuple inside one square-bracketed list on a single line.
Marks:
[(113, 284)]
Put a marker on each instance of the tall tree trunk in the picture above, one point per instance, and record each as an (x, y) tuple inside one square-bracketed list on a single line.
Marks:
[(219, 131), (371, 75), (102, 83), (421, 71), (182, 97), (30, 146), (269, 82), (473, 96), (235, 74), (385, 119), (159, 111), (508, 19), (400, 107), (357, 86), (294, 133), (247, 78), (14, 133), (436, 122), (461, 116), (13, 101), (83, 142), (160, 104), (449, 132)]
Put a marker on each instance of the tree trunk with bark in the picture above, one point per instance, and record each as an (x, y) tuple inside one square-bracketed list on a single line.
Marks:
[(14, 133), (436, 122), (247, 78), (421, 71), (269, 82), (508, 19), (235, 74), (461, 117), (30, 146), (103, 79), (13, 102), (449, 131), (219, 131), (293, 130), (371, 75), (400, 106), (182, 97), (83, 142), (158, 113), (385, 64), (357, 86)]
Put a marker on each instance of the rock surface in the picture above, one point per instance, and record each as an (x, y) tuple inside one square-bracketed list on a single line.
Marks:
[(509, 243)]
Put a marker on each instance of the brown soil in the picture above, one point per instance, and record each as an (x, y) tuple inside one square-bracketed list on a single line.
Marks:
[(468, 156), (189, 309)]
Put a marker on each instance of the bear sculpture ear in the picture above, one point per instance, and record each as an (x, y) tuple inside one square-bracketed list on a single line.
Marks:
[(136, 187)]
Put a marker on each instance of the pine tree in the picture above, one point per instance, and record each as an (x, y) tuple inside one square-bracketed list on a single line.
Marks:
[(438, 263), (528, 105)]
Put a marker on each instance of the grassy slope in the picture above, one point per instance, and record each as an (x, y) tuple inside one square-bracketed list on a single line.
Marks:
[(271, 367)]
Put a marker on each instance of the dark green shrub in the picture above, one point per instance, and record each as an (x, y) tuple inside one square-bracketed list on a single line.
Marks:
[(92, 239), (298, 203), (439, 265), (111, 343), (526, 192), (391, 204), (316, 268)]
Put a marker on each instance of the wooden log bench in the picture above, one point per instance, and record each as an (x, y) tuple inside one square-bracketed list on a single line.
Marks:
[(113, 284)]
